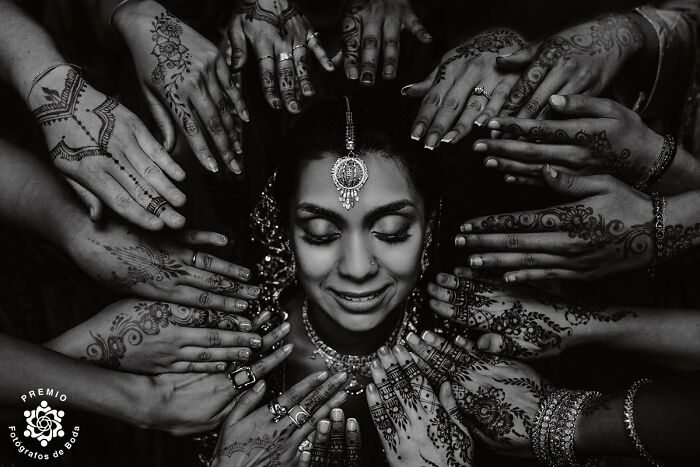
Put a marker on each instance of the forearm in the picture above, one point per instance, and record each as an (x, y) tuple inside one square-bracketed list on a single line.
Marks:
[(25, 366), (683, 175), (25, 48)]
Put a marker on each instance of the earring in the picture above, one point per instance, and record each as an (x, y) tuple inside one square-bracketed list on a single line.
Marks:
[(425, 257)]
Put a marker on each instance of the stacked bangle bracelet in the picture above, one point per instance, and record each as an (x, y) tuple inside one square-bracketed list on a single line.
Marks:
[(661, 164), (629, 423)]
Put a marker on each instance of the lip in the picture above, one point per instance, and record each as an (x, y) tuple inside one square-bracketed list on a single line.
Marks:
[(360, 302)]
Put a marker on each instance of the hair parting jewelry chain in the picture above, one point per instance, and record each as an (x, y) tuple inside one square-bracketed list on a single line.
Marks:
[(354, 365), (349, 173)]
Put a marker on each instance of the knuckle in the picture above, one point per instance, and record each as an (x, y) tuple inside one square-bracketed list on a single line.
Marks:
[(152, 171), (204, 299), (122, 200), (213, 338), (512, 241), (205, 355), (528, 260), (433, 99)]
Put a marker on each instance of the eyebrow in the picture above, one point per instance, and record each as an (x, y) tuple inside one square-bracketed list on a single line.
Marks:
[(376, 213)]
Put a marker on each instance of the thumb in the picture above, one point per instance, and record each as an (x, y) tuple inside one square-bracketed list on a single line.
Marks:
[(578, 105), (163, 121), (516, 60), (91, 201), (239, 49), (448, 401), (579, 186), (246, 403)]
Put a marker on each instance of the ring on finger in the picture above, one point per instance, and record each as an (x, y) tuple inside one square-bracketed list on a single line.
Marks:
[(238, 373), (298, 415), (311, 35), (480, 91), (305, 445), (298, 46), (277, 410), (284, 56), (194, 259), (265, 57)]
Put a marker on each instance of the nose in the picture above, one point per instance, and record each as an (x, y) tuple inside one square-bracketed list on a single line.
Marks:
[(357, 259)]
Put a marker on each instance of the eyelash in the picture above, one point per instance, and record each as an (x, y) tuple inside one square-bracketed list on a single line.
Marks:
[(322, 240)]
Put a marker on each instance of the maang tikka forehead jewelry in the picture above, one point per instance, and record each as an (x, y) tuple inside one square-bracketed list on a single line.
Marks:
[(349, 172)]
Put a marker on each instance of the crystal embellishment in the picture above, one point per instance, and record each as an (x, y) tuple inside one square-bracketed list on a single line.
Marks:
[(349, 172)]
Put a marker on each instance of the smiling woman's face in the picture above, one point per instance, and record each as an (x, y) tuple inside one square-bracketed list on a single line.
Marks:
[(358, 265)]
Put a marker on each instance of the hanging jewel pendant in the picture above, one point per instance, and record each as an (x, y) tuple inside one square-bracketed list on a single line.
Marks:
[(349, 173)]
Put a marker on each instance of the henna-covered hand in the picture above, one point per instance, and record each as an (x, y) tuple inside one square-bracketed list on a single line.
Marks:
[(594, 136), (583, 59), (606, 232), (252, 438), (496, 398), (276, 27), (160, 267), (185, 79), (373, 25), (450, 106), (335, 443), (524, 323), (105, 152), (413, 425), (155, 337)]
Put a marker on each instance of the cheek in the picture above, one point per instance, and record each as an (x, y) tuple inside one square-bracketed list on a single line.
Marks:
[(400, 260), (314, 263)]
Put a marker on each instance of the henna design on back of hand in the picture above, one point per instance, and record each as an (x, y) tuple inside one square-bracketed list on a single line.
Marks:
[(253, 11), (264, 451)]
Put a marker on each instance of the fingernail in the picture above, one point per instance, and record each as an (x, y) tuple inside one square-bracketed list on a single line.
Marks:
[(491, 163), (384, 351), (428, 337), (466, 228), (449, 137), (510, 179), (244, 273), (286, 327), (411, 338), (221, 366), (293, 106), (235, 167), (92, 212), (255, 342), (352, 424), (480, 147), (367, 78), (307, 90), (460, 241), (245, 326), (495, 125), (342, 376), (557, 100), (481, 120), (241, 304), (417, 131), (398, 348), (237, 147), (259, 386), (264, 316), (288, 348), (371, 388), (211, 163), (352, 74), (476, 262), (305, 456), (404, 90), (322, 376), (324, 426), (506, 55), (388, 71), (510, 279), (375, 364), (550, 170), (244, 354), (482, 344), (461, 341), (245, 116), (336, 415), (156, 222), (431, 141)]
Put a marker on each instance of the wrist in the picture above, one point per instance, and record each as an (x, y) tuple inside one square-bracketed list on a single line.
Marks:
[(641, 29), (128, 14)]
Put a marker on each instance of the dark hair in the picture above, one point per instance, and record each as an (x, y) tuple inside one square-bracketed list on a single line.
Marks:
[(382, 124)]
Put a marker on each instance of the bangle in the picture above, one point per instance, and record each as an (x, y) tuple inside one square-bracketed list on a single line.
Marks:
[(658, 202), (629, 423), (114, 10), (44, 72), (661, 164)]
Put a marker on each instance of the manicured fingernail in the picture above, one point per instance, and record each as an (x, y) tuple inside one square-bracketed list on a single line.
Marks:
[(342, 376), (241, 304), (367, 78), (557, 100), (285, 327), (307, 90), (449, 137), (244, 273), (388, 71), (353, 74), (495, 125), (371, 388), (324, 427), (330, 65), (245, 116), (476, 262), (491, 163), (221, 366), (481, 120), (375, 364), (244, 354), (411, 338), (404, 90), (482, 344), (255, 342), (352, 424), (322, 376), (480, 147), (509, 179), (305, 456), (264, 316), (466, 228), (431, 141), (288, 348), (254, 290), (398, 348), (245, 326), (211, 164), (417, 131), (510, 279), (384, 351), (428, 337), (259, 386), (237, 147), (459, 340), (293, 106), (460, 241), (336, 415), (550, 170), (506, 55), (235, 167)]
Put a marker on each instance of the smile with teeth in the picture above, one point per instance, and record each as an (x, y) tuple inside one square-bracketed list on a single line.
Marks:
[(359, 299)]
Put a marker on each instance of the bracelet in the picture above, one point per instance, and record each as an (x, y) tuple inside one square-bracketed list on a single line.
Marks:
[(555, 425), (46, 71), (114, 10), (658, 202), (629, 423), (661, 164)]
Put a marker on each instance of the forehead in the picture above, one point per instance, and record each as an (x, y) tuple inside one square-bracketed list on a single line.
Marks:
[(388, 182)]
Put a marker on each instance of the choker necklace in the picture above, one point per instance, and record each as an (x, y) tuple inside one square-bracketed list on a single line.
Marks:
[(354, 365)]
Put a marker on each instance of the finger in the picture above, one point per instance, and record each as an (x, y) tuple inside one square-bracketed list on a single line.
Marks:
[(392, 404), (579, 186), (526, 85), (413, 24), (265, 365), (381, 419), (302, 71), (266, 66), (548, 242), (351, 45), (524, 180), (260, 320), (397, 381), (514, 168), (287, 83), (517, 60), (450, 110), (196, 141), (196, 317), (539, 99), (247, 402), (527, 151), (547, 131), (370, 52), (296, 393), (498, 98), (191, 296), (461, 120), (207, 262), (231, 123), (305, 459), (204, 103), (90, 201), (434, 366), (505, 345), (232, 89), (217, 355), (114, 196), (432, 103), (189, 366), (336, 451), (314, 44), (201, 237), (321, 444), (390, 47), (521, 261), (336, 400), (239, 47), (491, 278), (353, 440), (323, 394), (582, 106), (210, 338), (421, 88), (220, 285), (158, 154), (162, 117), (448, 401), (154, 175), (448, 349), (276, 335), (535, 275)]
